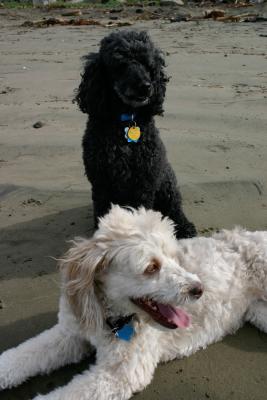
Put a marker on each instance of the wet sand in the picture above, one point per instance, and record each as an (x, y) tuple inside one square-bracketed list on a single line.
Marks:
[(214, 129)]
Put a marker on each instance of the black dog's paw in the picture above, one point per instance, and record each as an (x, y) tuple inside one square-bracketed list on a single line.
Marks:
[(187, 231)]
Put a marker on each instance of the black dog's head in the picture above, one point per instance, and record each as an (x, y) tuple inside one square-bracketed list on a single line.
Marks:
[(127, 73)]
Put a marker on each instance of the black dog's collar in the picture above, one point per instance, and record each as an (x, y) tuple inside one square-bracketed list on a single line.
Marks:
[(127, 117)]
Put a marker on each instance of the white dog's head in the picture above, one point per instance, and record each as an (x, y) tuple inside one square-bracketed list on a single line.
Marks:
[(129, 266)]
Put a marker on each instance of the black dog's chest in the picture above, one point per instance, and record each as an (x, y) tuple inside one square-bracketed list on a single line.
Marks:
[(122, 165), (130, 159), (127, 152), (129, 162)]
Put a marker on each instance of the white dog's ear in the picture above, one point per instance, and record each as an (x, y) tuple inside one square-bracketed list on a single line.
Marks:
[(79, 267)]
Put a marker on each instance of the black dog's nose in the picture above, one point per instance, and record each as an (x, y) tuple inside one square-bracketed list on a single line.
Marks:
[(145, 87), (196, 291)]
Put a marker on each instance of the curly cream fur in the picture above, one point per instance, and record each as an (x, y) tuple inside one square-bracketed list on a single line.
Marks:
[(101, 274)]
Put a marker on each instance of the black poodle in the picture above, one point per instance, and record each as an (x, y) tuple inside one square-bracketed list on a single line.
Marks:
[(122, 88)]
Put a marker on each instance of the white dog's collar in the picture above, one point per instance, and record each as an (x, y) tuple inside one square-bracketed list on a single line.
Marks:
[(122, 327)]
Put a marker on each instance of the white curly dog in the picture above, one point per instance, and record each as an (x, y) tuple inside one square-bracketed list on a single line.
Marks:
[(131, 291)]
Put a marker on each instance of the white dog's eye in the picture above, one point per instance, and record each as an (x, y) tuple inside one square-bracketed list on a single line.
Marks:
[(153, 267)]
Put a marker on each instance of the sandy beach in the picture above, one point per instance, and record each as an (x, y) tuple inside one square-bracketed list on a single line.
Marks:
[(214, 129)]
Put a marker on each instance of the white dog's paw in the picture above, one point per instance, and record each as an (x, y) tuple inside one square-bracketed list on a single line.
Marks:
[(4, 384), (5, 375), (5, 380), (10, 373)]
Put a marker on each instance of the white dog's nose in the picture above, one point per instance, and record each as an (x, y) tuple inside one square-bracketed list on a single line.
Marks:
[(196, 291)]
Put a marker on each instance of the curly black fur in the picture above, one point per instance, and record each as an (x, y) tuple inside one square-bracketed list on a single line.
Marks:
[(127, 76)]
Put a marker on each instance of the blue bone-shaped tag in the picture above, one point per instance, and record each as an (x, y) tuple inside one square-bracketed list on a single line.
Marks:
[(126, 332)]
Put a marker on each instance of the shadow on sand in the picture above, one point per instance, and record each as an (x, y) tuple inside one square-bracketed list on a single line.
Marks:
[(26, 248)]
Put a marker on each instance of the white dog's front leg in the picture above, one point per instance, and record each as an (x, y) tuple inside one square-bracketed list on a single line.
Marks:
[(51, 349), (96, 384), (116, 376)]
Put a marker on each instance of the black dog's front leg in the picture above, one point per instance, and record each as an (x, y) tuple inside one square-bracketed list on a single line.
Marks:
[(168, 201), (102, 202), (144, 198)]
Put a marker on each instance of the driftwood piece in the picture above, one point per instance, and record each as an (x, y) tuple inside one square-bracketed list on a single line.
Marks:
[(214, 13), (52, 21)]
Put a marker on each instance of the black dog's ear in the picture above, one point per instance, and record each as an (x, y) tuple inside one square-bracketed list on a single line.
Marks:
[(160, 82), (91, 92)]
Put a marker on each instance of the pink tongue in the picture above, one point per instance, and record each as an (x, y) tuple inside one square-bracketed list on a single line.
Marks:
[(175, 315)]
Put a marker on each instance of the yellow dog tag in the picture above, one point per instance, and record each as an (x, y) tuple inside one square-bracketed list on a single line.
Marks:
[(133, 134)]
